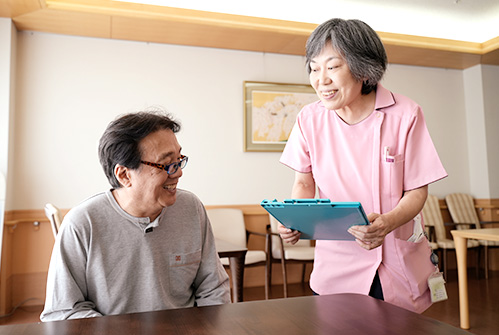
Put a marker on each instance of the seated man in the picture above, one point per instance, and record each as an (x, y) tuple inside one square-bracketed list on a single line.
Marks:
[(142, 246)]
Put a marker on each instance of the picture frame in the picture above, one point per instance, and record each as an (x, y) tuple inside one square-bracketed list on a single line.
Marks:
[(270, 111)]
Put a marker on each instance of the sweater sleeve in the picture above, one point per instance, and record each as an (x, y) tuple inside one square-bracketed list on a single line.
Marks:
[(66, 284)]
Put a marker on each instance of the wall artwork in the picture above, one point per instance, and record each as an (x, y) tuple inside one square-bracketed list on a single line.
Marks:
[(270, 111)]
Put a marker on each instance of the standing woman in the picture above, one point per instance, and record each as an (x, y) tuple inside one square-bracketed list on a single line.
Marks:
[(361, 142)]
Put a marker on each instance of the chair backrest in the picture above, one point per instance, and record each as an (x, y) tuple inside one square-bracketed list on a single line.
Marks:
[(276, 243), (432, 216), (462, 209), (54, 215), (228, 225)]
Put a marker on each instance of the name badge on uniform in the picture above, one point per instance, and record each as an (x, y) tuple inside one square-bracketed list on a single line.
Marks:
[(436, 283)]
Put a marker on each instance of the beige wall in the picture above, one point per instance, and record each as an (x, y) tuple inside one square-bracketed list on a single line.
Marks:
[(8, 39), (482, 120), (69, 88), (491, 111)]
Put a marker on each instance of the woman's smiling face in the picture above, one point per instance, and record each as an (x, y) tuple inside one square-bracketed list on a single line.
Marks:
[(332, 80)]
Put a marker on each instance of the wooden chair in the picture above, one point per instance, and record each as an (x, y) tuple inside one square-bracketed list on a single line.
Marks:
[(462, 210), (432, 216), (429, 227), (228, 225), (301, 253), (54, 215)]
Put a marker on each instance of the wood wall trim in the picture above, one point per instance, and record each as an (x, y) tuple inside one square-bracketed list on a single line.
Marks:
[(490, 45), (431, 43), (247, 209), (128, 21), (14, 217), (31, 215), (487, 203)]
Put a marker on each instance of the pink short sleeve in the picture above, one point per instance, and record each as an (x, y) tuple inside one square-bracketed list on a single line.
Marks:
[(296, 154), (422, 164)]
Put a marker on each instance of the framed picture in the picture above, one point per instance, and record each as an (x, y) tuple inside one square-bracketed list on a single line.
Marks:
[(270, 111)]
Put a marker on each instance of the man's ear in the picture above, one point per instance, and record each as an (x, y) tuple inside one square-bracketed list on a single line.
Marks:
[(123, 175)]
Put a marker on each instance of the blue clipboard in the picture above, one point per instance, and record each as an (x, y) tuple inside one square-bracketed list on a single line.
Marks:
[(318, 219)]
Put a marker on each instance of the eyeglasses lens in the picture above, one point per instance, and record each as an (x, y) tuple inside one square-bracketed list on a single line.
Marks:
[(172, 168)]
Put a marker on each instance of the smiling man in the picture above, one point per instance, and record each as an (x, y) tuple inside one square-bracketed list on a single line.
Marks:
[(144, 245)]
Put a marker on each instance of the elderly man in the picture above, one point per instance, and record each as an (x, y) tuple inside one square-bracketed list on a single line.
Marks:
[(144, 245)]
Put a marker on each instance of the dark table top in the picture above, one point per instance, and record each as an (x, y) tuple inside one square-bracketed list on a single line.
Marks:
[(329, 314)]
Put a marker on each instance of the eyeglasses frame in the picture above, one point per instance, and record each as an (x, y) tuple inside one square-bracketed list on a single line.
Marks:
[(166, 167)]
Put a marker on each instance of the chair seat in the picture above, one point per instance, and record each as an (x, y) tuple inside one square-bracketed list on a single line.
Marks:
[(449, 244), (489, 243), (302, 253), (252, 257), (229, 225)]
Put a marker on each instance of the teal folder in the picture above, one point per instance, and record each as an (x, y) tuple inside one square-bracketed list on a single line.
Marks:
[(318, 219)]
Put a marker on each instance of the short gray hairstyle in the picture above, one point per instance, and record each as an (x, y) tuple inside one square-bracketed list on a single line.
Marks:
[(359, 45)]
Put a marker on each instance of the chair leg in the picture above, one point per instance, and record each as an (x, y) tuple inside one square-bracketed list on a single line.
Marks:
[(268, 266), (439, 255), (266, 282), (269, 279), (486, 251), (444, 262), (303, 271), (477, 262), (284, 277), (268, 275)]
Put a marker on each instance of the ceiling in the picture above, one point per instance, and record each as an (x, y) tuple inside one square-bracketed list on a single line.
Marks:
[(462, 20), (441, 33)]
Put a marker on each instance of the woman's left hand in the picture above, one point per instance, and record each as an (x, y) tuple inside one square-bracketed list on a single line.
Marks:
[(371, 236)]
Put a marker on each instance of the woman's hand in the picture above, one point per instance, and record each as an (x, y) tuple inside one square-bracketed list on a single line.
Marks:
[(288, 235), (303, 188), (371, 236)]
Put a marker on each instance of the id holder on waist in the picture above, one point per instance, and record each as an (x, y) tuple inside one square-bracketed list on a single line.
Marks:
[(436, 283)]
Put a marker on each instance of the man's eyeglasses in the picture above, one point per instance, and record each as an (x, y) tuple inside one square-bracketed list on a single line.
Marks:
[(169, 168)]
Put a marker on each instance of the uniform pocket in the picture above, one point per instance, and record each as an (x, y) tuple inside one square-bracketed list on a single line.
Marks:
[(183, 270), (416, 264), (392, 178)]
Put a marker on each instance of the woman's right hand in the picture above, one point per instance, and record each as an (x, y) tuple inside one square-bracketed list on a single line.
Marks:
[(303, 188), (288, 235)]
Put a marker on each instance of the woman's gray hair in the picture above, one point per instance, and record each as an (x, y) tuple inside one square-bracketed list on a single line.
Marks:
[(357, 43)]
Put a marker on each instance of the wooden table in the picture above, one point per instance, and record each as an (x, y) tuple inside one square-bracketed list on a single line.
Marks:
[(236, 257), (328, 314), (460, 240)]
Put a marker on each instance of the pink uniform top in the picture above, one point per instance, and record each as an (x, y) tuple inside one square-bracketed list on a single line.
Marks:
[(372, 162)]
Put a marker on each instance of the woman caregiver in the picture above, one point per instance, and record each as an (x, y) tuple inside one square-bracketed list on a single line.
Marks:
[(360, 142)]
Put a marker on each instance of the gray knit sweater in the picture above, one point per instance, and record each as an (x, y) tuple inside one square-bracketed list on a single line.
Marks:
[(106, 261)]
